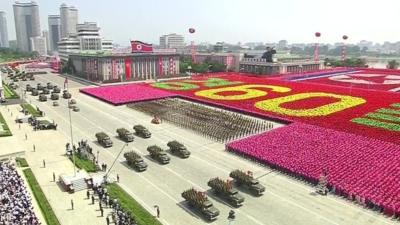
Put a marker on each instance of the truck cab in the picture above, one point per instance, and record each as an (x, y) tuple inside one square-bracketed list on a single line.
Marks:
[(42, 98), (104, 139), (142, 131)]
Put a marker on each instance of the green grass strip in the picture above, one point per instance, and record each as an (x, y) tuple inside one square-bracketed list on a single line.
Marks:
[(131, 206), (21, 162), (6, 130), (83, 164), (9, 93), (32, 110), (44, 204)]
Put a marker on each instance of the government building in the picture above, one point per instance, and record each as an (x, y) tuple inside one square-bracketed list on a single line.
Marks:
[(140, 64)]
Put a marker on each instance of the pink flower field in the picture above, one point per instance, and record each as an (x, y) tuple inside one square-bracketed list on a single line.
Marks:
[(357, 166), (128, 93)]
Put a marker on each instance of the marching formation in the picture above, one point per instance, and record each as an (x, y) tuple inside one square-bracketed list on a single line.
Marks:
[(217, 124)]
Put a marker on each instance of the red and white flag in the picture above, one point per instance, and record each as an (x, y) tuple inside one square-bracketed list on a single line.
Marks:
[(141, 47)]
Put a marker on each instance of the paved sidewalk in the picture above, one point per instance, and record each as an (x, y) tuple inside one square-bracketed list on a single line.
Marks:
[(50, 147)]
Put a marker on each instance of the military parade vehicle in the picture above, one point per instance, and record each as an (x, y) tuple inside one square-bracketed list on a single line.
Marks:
[(56, 89), (54, 96), (247, 180), (158, 154), (135, 161), (42, 98), (66, 94), (200, 202), (178, 149), (35, 92), (104, 139), (142, 131), (75, 108), (49, 85), (125, 135), (45, 91), (225, 190), (44, 125), (39, 86), (28, 87), (13, 85)]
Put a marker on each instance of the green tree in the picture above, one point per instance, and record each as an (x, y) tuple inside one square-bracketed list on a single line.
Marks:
[(393, 64), (349, 62)]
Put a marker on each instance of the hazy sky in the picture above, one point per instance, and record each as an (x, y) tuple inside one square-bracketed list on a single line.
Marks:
[(232, 20)]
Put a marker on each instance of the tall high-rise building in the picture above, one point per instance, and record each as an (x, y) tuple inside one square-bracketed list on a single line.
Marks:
[(45, 34), (173, 41), (3, 30), (69, 20), (39, 45), (54, 32), (27, 24)]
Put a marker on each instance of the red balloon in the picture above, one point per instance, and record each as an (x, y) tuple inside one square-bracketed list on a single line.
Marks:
[(345, 37), (192, 30), (317, 34)]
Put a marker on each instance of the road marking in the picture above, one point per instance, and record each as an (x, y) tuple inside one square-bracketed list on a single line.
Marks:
[(137, 198), (308, 210)]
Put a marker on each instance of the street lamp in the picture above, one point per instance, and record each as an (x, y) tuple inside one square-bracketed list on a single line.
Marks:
[(72, 139), (112, 165)]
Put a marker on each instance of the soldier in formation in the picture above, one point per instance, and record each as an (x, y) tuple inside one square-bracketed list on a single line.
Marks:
[(217, 124)]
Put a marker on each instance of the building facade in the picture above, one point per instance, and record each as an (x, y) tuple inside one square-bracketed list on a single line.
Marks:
[(27, 24), (87, 39), (67, 46), (68, 20), (107, 45), (89, 36), (125, 67), (54, 32), (172, 41), (3, 30), (261, 67), (39, 45)]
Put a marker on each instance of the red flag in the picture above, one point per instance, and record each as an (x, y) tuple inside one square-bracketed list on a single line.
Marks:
[(140, 47)]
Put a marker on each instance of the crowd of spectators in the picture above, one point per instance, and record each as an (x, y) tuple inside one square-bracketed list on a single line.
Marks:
[(15, 201)]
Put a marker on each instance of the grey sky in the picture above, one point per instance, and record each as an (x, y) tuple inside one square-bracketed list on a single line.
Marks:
[(232, 20)]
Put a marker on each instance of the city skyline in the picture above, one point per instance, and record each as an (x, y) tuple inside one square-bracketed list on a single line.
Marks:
[(230, 21)]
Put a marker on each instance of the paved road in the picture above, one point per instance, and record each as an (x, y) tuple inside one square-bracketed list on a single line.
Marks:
[(287, 201)]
